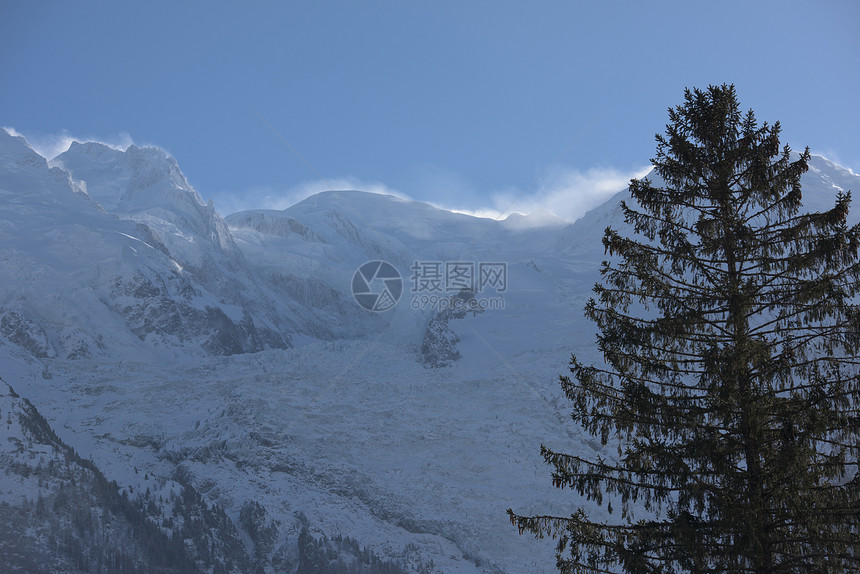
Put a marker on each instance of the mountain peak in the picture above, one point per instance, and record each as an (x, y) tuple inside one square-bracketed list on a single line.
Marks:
[(348, 197), (16, 154), (114, 176), (537, 218)]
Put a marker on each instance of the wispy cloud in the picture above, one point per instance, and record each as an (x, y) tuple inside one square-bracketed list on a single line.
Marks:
[(565, 192), (831, 156), (569, 193), (50, 146), (565, 195)]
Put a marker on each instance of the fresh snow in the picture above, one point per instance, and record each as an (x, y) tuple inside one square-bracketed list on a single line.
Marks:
[(154, 334)]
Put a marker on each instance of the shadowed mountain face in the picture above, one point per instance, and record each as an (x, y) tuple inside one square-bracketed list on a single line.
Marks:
[(225, 363)]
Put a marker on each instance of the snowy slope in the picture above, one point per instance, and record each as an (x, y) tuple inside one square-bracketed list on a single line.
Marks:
[(353, 430), (83, 282), (325, 238), (145, 185)]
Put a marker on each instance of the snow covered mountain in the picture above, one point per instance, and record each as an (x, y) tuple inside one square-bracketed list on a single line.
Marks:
[(163, 263), (224, 363)]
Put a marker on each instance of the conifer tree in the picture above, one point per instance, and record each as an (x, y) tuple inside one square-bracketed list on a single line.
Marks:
[(729, 332)]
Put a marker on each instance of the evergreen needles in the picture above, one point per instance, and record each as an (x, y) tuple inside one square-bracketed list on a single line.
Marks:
[(730, 334)]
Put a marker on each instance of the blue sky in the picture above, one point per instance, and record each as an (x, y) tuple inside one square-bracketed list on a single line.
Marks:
[(468, 105)]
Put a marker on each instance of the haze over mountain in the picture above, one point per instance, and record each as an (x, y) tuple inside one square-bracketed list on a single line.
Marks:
[(222, 373)]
